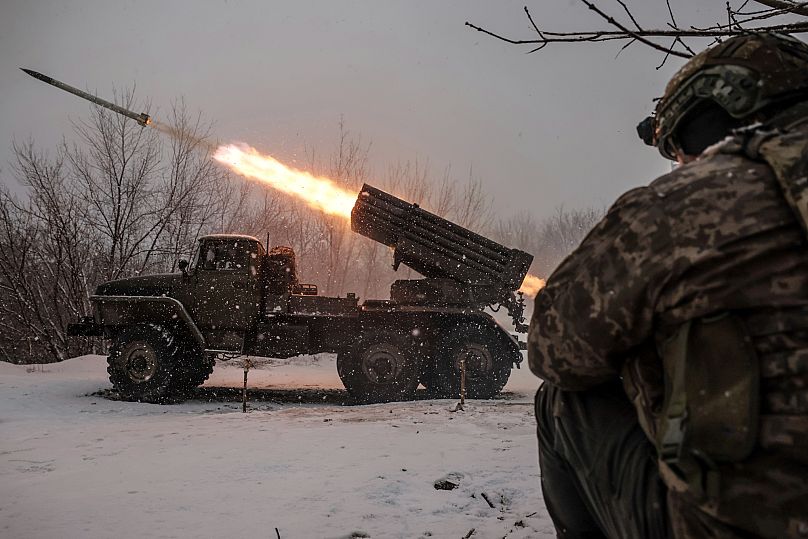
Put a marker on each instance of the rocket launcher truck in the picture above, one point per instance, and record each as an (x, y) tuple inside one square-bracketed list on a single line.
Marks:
[(235, 297)]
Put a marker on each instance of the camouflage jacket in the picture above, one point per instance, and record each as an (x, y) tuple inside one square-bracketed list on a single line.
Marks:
[(712, 236)]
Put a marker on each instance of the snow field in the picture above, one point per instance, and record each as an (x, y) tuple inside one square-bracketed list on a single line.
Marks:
[(76, 464)]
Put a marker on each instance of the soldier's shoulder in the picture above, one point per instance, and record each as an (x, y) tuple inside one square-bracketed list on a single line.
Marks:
[(705, 168), (637, 205), (739, 156)]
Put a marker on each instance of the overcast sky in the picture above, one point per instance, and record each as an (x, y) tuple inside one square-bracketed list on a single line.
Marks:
[(542, 130)]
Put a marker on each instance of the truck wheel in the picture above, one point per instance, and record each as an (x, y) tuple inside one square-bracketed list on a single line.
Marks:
[(200, 371), (142, 363), (379, 367), (195, 367), (488, 363)]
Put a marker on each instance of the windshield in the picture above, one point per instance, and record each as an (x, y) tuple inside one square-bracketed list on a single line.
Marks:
[(224, 255)]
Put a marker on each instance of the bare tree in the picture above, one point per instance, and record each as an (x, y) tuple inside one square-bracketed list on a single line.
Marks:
[(114, 166), (784, 16), (46, 253), (550, 239), (473, 208), (348, 167), (118, 202), (192, 188)]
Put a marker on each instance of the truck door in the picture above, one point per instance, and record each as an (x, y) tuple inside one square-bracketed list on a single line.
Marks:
[(226, 287)]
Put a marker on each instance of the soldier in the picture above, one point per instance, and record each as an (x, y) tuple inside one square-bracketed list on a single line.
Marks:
[(674, 341)]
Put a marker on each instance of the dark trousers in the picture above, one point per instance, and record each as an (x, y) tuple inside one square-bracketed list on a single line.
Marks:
[(598, 470)]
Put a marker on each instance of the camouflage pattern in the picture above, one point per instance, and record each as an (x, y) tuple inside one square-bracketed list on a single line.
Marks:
[(598, 470), (712, 236)]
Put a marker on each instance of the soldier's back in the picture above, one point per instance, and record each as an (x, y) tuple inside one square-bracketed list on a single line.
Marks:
[(738, 247)]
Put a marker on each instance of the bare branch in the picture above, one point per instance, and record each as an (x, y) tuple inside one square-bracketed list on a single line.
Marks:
[(530, 18), (798, 8), (753, 17), (737, 23), (624, 47), (670, 11), (630, 15), (667, 55), (639, 38), (686, 47)]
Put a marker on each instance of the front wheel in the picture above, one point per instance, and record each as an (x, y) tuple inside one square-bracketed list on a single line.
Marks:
[(379, 367), (487, 361), (142, 363), (194, 367)]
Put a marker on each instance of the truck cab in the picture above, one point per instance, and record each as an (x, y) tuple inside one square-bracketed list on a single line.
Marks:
[(222, 288)]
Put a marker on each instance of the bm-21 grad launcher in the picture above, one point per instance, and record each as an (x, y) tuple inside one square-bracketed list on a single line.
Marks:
[(460, 267), (237, 298)]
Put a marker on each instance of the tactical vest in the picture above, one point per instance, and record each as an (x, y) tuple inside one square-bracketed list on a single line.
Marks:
[(735, 382)]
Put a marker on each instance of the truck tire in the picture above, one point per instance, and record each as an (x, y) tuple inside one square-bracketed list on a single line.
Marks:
[(488, 362), (199, 372), (195, 367), (379, 367), (142, 363)]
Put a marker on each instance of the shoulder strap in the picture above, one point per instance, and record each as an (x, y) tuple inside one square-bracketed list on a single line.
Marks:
[(671, 434), (787, 155)]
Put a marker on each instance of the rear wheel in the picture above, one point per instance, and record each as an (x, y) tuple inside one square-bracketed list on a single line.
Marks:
[(487, 362), (379, 367), (142, 363)]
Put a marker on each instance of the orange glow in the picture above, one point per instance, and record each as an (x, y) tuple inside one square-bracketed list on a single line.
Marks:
[(531, 285), (319, 193)]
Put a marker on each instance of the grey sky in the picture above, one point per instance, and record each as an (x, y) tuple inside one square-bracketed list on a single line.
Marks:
[(542, 130)]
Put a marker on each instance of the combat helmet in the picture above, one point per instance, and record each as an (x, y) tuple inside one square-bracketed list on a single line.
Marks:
[(742, 75)]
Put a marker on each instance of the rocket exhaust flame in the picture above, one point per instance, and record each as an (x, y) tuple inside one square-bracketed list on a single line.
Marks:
[(318, 192), (531, 285)]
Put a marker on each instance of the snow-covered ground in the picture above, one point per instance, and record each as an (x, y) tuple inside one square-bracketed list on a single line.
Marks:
[(74, 463)]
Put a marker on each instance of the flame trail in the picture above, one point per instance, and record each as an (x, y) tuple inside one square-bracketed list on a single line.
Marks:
[(531, 285), (318, 192)]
